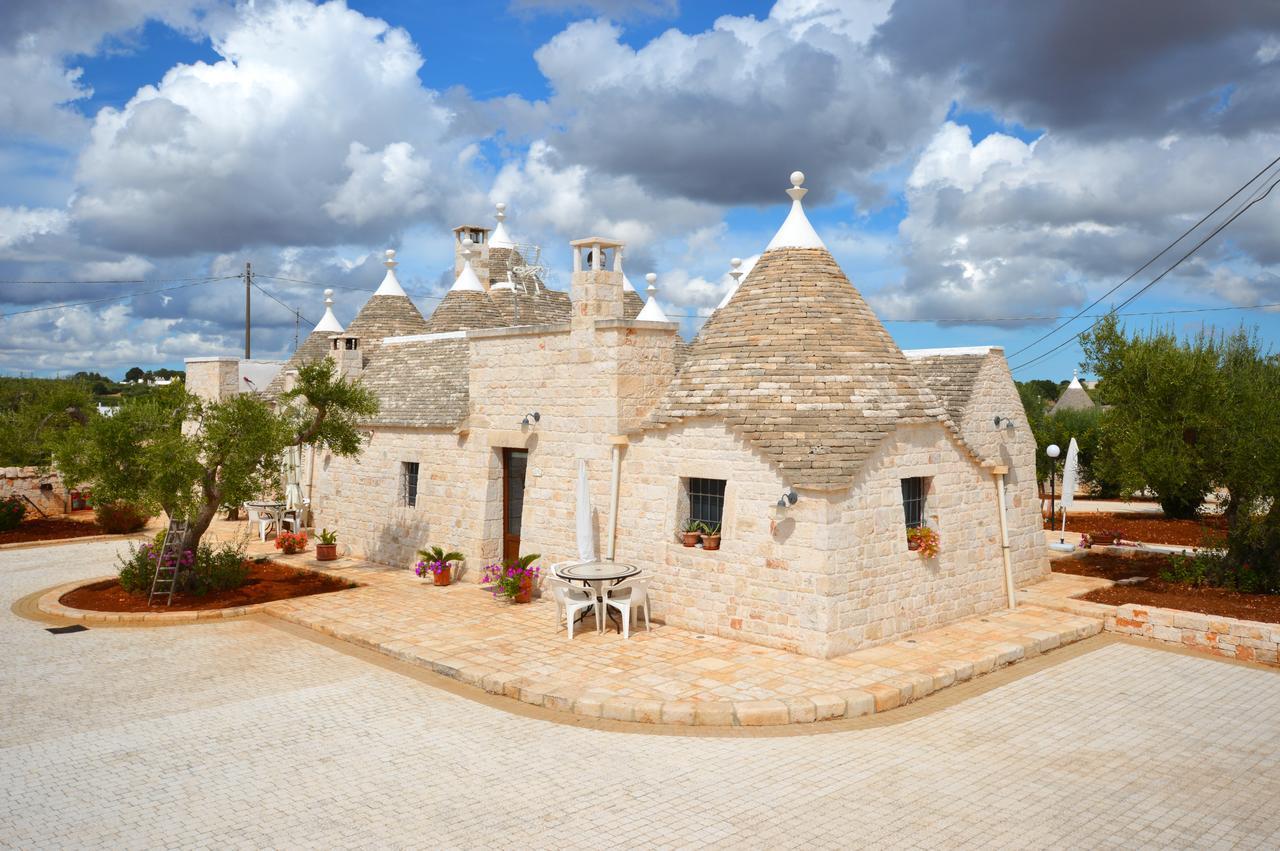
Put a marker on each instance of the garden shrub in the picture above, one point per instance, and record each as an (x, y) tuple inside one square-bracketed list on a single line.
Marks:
[(117, 518), (210, 571), (12, 511)]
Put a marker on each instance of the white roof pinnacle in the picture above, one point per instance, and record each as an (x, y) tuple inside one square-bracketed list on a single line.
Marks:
[(796, 232), (1075, 380), (328, 322), (627, 286), (500, 238), (390, 283), (652, 311), (736, 273), (467, 280)]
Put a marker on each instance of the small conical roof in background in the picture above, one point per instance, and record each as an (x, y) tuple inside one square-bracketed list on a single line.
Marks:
[(466, 305), (1074, 398)]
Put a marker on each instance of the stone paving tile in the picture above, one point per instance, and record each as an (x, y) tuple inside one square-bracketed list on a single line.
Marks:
[(461, 631), (235, 734)]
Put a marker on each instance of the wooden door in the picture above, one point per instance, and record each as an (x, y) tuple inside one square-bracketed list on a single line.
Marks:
[(514, 463)]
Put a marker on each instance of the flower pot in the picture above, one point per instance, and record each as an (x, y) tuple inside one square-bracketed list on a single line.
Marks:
[(913, 544), (326, 552), (289, 549), (525, 594), (444, 577), (711, 542), (690, 538)]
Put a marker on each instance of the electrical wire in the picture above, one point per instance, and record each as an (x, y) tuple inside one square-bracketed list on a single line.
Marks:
[(1235, 215), (117, 297), (132, 280), (1140, 269), (335, 286), (292, 310)]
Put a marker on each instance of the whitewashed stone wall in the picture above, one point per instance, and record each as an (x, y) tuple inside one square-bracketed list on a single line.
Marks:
[(213, 378), (994, 393)]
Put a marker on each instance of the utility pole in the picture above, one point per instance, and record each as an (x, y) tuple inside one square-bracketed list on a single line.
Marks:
[(248, 282)]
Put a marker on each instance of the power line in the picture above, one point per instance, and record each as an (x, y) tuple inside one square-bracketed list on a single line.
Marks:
[(336, 286), (129, 281), (292, 310), (115, 297), (1162, 252), (1235, 215), (974, 320)]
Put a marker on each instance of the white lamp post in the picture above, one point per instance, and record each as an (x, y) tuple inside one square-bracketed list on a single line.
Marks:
[(1053, 452)]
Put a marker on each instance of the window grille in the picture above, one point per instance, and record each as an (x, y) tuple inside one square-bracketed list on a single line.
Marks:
[(706, 501), (913, 493), (409, 483)]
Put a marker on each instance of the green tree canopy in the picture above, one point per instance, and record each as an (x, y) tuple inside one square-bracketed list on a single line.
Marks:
[(33, 411)]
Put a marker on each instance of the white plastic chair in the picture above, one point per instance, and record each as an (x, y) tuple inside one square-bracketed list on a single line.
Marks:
[(263, 517), (571, 599), (628, 597)]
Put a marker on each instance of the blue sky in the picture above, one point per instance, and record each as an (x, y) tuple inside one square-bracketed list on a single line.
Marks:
[(967, 169)]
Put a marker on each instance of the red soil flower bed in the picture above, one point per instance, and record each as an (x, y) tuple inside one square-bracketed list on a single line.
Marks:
[(267, 581), (50, 529), (1157, 593), (1148, 528)]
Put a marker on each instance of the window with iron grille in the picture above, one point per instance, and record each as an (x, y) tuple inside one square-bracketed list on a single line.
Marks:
[(706, 501), (913, 494), (409, 483)]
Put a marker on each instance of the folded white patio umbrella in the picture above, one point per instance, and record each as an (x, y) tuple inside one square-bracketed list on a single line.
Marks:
[(586, 531)]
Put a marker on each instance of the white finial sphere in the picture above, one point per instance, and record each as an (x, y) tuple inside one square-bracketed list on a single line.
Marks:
[(651, 277), (797, 177), (328, 293), (502, 208), (735, 262), (467, 242), (391, 254)]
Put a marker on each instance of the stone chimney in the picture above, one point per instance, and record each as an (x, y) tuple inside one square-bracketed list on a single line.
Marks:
[(213, 379), (597, 279), (479, 237), (348, 355)]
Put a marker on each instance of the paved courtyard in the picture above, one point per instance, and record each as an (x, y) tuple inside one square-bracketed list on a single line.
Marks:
[(241, 734)]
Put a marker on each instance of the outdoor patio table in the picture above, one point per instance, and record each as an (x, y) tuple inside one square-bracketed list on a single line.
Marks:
[(595, 574), (265, 508)]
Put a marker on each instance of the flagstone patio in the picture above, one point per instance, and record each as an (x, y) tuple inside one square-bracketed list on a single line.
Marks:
[(667, 675)]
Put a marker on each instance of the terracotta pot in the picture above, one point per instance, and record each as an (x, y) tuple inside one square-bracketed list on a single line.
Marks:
[(526, 590), (326, 552), (690, 538), (290, 550), (444, 577), (711, 542), (913, 544)]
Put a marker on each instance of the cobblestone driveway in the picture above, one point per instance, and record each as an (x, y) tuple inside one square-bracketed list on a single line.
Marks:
[(238, 734)]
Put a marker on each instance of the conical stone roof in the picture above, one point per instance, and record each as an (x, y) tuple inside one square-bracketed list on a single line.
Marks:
[(385, 316), (314, 348), (798, 364), (462, 310)]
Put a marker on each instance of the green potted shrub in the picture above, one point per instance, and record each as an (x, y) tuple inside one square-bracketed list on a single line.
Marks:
[(437, 564), (711, 536), (514, 579), (692, 532), (327, 545)]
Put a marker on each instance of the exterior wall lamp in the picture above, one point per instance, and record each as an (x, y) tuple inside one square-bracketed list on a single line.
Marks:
[(1003, 422), (788, 498), (531, 418)]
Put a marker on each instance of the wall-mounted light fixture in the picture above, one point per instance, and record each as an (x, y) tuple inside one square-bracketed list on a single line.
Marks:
[(788, 498), (1003, 422), (531, 418)]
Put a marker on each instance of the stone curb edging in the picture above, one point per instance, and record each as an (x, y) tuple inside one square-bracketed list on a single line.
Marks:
[(49, 604), (597, 704), (83, 539), (1232, 638)]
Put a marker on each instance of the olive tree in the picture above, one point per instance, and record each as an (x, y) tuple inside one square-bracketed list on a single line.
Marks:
[(173, 451)]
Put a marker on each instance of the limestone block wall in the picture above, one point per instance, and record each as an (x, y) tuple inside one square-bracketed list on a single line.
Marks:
[(880, 589), (765, 583), (44, 488), (361, 498), (213, 378), (994, 393)]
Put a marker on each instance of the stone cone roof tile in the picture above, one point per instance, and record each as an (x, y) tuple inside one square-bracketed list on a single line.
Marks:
[(951, 377), (316, 346), (462, 310), (385, 316), (421, 383), (798, 365), (1074, 398)]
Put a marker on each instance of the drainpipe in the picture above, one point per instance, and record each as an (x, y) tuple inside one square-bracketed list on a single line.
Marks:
[(613, 496), (999, 474)]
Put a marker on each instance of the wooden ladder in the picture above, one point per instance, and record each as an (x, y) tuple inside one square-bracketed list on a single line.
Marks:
[(169, 563)]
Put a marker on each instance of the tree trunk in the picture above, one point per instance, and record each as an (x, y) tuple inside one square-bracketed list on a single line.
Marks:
[(200, 524)]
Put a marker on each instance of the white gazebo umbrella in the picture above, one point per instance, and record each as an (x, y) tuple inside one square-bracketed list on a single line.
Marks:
[(586, 531), (292, 476), (1070, 478)]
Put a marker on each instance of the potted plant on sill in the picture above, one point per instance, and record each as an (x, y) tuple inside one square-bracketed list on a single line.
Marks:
[(692, 531), (327, 545), (291, 542), (438, 564), (514, 579), (711, 536), (923, 540)]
